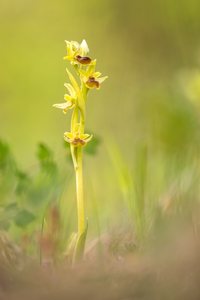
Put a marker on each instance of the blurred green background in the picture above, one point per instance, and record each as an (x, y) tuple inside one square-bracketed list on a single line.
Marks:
[(142, 113), (140, 45)]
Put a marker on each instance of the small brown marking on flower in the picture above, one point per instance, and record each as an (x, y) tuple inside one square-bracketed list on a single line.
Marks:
[(78, 141), (91, 82), (84, 60)]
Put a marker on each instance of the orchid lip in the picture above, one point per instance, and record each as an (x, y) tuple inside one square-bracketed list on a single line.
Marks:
[(78, 141), (84, 60), (91, 82)]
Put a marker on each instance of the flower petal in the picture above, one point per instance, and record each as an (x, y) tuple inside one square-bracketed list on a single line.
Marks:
[(68, 135), (76, 138), (70, 90), (84, 48), (86, 137), (73, 81), (75, 45), (64, 106), (96, 74), (68, 98), (102, 79)]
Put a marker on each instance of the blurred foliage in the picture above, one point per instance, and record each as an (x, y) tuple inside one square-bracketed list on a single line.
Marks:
[(26, 197), (147, 168), (141, 45)]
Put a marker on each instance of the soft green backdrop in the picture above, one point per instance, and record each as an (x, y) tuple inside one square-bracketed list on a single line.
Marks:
[(143, 46), (140, 45)]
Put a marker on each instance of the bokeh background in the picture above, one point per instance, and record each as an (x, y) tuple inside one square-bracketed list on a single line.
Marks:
[(144, 114), (140, 45)]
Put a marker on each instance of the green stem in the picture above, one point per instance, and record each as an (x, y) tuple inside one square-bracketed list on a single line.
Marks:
[(74, 121), (82, 225), (79, 191), (77, 155)]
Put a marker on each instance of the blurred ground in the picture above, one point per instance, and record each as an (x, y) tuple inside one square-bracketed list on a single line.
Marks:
[(173, 272)]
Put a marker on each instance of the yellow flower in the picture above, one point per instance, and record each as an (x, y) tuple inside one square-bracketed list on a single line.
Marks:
[(70, 99), (77, 138), (77, 53), (94, 81), (91, 78)]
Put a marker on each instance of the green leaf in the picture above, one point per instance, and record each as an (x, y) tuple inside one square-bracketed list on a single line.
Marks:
[(24, 218), (44, 153), (23, 183), (8, 214), (6, 157), (45, 157), (80, 245), (11, 207), (71, 246), (73, 82)]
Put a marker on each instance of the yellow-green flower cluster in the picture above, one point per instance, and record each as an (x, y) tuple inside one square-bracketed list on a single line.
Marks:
[(85, 67), (77, 54)]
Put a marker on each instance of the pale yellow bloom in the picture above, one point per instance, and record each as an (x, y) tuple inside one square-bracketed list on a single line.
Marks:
[(77, 138), (70, 99), (77, 53), (91, 78), (94, 81), (85, 69), (64, 106)]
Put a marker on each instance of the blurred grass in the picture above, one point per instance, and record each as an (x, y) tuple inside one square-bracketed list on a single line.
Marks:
[(148, 160)]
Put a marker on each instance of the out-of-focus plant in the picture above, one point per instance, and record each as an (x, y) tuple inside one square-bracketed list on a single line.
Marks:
[(190, 80), (30, 202), (25, 196), (85, 68)]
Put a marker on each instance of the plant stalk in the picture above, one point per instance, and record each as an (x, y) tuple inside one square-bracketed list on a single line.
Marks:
[(79, 191), (82, 225)]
